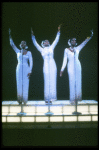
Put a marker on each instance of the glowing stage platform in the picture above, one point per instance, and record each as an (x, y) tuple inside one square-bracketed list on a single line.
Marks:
[(62, 112)]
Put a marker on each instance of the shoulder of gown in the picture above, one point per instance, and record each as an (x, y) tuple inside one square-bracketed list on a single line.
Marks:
[(66, 49), (29, 52)]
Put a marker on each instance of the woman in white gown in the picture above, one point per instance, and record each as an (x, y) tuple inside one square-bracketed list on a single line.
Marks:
[(74, 68), (23, 70), (49, 66)]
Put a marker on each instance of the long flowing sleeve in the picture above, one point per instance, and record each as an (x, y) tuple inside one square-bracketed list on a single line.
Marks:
[(30, 62), (56, 40), (64, 60), (83, 44), (13, 46), (39, 48)]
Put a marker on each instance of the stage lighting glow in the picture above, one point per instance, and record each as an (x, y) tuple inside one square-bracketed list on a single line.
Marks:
[(41, 119), (13, 119), (84, 118), (27, 119), (56, 119), (70, 118)]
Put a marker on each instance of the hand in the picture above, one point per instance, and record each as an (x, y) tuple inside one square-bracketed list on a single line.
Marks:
[(59, 27), (91, 32), (29, 74), (88, 37), (31, 31), (61, 73)]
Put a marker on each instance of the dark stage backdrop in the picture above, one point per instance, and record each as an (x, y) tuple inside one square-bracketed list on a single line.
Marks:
[(77, 19)]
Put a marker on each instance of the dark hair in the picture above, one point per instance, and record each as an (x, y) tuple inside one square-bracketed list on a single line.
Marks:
[(71, 39)]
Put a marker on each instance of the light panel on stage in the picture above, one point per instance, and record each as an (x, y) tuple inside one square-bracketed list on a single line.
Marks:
[(62, 111), (4, 114), (3, 119), (14, 109), (68, 109), (70, 118), (56, 109), (4, 109), (82, 108), (42, 119), (84, 113), (94, 118), (41, 109), (13, 119), (27, 119), (52, 119), (56, 119), (12, 114), (94, 108), (84, 118), (29, 109)]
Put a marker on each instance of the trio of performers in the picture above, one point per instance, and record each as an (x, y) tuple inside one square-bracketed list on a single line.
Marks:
[(24, 70)]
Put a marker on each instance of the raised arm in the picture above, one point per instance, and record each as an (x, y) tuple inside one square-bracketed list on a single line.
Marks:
[(12, 43), (85, 42), (64, 62), (39, 48), (57, 38)]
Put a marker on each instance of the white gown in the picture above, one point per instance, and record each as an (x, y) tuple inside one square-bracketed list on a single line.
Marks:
[(74, 71), (49, 68), (22, 72)]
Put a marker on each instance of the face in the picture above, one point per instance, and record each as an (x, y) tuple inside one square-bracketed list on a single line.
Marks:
[(73, 41), (23, 44), (46, 43)]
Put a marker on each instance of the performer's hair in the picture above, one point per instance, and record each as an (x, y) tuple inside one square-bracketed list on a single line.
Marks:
[(69, 41), (72, 38), (43, 43), (26, 47)]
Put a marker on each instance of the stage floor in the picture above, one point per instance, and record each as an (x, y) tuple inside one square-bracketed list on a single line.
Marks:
[(38, 111), (42, 102)]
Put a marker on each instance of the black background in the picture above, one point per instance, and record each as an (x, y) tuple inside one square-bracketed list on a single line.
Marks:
[(77, 19)]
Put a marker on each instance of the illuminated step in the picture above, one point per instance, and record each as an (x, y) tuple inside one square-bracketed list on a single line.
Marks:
[(65, 102), (62, 111), (54, 118), (55, 109)]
